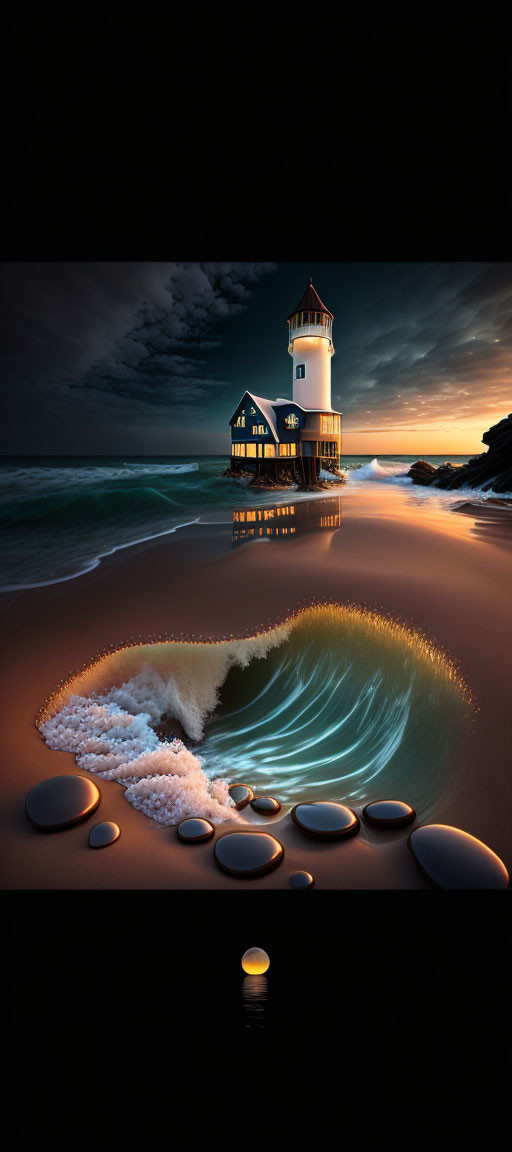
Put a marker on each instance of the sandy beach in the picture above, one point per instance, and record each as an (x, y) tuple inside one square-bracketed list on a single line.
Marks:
[(446, 574)]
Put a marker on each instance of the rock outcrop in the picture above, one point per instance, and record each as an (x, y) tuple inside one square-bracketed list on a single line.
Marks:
[(492, 471), (421, 472)]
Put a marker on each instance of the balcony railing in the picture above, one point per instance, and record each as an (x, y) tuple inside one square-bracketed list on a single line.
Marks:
[(311, 330)]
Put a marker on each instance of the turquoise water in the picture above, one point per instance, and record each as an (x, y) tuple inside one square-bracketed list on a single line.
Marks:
[(342, 710), (60, 515)]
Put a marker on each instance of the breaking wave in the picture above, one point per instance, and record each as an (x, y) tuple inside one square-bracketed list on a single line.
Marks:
[(390, 471), (395, 472), (335, 703)]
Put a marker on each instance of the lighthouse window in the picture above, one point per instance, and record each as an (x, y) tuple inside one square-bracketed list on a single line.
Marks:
[(300, 372)]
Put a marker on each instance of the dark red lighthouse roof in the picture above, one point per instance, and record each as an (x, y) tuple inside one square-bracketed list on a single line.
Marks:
[(311, 302)]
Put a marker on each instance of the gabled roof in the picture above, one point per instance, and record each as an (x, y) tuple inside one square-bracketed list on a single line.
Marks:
[(267, 407), (311, 302)]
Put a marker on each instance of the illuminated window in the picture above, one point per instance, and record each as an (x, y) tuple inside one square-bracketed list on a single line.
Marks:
[(269, 450), (300, 372), (250, 450), (253, 411), (292, 421), (240, 422), (287, 449), (330, 423)]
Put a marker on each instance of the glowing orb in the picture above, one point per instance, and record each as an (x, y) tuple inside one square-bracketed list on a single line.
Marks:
[(255, 961)]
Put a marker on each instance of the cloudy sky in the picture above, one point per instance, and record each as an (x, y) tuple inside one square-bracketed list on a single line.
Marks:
[(153, 357)]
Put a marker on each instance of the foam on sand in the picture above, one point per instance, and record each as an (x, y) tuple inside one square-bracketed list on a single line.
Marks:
[(111, 732)]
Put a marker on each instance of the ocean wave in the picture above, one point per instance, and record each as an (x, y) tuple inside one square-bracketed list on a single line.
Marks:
[(36, 478), (72, 508), (387, 472), (335, 703)]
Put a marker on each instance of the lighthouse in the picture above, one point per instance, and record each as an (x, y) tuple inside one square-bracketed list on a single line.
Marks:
[(311, 347), (293, 441)]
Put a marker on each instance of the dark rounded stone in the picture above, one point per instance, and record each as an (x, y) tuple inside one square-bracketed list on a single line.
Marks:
[(301, 880), (241, 795), (451, 858), (266, 805), (61, 801), (248, 853), (101, 835), (389, 813), (325, 820), (194, 829)]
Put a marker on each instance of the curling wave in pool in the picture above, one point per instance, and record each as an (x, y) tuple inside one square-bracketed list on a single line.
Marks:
[(336, 702)]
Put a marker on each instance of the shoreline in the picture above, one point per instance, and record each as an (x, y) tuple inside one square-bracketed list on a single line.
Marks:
[(381, 556), (346, 485)]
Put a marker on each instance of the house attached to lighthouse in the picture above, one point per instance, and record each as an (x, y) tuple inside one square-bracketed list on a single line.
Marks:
[(293, 439)]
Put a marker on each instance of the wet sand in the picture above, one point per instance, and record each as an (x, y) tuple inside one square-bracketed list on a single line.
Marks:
[(383, 548)]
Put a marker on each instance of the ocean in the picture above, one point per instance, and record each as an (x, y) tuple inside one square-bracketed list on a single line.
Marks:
[(60, 515)]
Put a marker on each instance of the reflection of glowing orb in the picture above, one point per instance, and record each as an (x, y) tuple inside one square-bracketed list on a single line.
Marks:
[(255, 961)]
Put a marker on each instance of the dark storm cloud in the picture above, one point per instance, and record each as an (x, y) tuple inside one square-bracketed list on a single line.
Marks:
[(160, 361), (79, 339)]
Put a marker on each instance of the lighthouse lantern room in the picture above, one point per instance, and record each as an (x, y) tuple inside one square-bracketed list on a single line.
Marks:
[(293, 439)]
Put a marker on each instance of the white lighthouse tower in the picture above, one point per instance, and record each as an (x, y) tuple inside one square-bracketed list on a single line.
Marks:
[(311, 347)]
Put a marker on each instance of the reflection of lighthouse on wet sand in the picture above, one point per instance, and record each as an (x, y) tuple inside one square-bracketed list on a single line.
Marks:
[(284, 521)]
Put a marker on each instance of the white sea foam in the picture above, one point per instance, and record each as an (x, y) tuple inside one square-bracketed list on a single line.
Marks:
[(326, 475), (375, 471), (111, 732), (163, 780)]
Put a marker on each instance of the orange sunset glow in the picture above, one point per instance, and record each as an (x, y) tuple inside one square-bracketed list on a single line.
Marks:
[(456, 438)]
